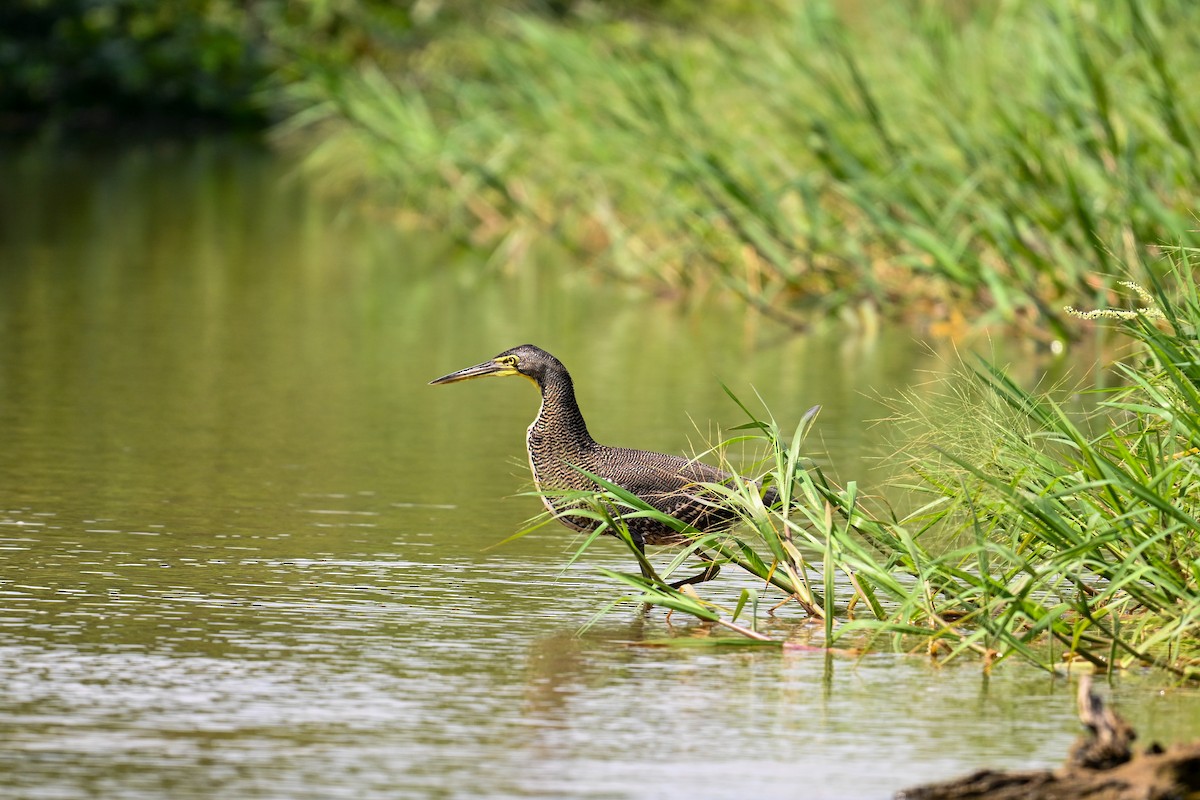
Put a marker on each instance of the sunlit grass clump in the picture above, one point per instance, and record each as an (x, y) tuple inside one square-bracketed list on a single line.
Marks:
[(1049, 535)]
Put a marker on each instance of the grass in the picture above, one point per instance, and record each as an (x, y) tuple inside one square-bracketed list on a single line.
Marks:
[(1053, 536), (919, 160)]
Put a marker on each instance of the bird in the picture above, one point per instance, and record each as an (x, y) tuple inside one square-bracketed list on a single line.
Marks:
[(559, 447)]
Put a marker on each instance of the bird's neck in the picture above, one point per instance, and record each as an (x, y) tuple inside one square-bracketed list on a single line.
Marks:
[(559, 417)]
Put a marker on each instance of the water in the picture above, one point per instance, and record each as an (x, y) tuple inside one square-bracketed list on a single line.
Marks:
[(246, 552)]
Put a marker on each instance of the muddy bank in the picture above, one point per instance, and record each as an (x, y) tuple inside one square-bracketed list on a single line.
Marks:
[(1101, 766)]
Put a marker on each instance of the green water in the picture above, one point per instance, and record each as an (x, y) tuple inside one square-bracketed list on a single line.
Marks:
[(246, 551)]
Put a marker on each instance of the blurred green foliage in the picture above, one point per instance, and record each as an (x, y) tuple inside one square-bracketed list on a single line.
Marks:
[(116, 57), (102, 61), (952, 164)]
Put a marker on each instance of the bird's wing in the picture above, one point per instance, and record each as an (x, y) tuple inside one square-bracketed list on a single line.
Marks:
[(664, 481)]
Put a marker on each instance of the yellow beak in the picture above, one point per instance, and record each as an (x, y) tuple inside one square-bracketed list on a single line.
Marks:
[(477, 371)]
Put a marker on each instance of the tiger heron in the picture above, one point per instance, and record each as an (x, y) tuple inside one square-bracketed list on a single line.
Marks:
[(559, 446)]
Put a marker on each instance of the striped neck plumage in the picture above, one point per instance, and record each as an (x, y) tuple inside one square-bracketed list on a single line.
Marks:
[(560, 414)]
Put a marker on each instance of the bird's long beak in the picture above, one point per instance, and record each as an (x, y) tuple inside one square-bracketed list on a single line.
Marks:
[(477, 371)]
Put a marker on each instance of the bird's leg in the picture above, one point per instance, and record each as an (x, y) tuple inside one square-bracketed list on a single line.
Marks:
[(643, 563), (644, 566), (648, 572), (708, 574)]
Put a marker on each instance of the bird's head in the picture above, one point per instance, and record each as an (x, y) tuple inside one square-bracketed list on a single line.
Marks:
[(527, 360)]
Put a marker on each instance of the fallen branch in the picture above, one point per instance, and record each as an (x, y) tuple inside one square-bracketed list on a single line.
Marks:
[(1101, 766)]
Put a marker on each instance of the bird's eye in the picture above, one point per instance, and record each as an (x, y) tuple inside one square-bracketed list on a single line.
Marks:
[(509, 361)]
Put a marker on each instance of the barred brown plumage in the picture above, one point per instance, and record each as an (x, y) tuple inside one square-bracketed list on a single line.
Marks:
[(559, 445)]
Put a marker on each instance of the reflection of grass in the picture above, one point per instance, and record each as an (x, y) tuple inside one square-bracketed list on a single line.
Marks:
[(1000, 157), (1037, 535)]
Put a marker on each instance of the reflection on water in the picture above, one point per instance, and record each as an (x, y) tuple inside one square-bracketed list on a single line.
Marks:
[(245, 551)]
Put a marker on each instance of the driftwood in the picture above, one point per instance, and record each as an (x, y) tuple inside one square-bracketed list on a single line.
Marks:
[(1101, 766)]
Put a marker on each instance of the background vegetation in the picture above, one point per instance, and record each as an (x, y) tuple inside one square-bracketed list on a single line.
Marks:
[(956, 164), (89, 63), (919, 160), (84, 61)]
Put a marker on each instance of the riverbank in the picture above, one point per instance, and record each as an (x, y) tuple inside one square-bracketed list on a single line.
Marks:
[(952, 168)]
